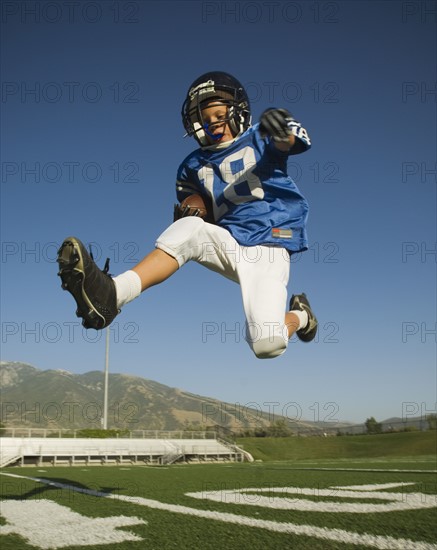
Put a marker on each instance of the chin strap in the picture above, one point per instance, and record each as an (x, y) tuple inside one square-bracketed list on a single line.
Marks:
[(212, 136)]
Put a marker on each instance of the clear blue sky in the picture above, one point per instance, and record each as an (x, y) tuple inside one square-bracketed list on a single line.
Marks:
[(91, 141)]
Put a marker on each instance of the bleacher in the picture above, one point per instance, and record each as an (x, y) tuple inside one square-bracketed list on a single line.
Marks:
[(42, 451)]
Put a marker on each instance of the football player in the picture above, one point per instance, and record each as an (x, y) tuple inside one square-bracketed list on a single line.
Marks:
[(258, 220)]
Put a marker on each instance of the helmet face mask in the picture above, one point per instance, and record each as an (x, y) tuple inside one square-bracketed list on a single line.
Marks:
[(210, 88)]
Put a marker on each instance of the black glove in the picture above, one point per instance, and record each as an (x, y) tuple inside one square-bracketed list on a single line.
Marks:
[(277, 123), (184, 211), (194, 205)]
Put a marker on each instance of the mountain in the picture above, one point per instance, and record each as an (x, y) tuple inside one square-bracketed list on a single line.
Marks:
[(36, 398)]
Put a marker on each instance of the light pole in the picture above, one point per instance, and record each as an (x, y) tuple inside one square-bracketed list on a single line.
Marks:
[(105, 396)]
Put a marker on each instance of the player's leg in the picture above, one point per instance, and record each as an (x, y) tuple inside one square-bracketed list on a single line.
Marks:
[(263, 279), (263, 276), (188, 239), (262, 273), (292, 322), (99, 297), (192, 239), (155, 268)]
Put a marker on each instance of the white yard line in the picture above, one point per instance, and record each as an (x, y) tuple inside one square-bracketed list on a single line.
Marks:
[(384, 471)]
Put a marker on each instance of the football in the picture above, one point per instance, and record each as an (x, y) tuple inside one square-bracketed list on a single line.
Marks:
[(195, 203)]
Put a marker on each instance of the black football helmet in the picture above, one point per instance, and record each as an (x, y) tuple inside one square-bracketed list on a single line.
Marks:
[(218, 86)]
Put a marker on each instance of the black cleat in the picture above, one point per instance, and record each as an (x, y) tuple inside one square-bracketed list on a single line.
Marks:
[(93, 289), (308, 333)]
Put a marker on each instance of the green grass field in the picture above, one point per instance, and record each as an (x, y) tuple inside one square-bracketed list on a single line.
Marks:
[(403, 444), (317, 503)]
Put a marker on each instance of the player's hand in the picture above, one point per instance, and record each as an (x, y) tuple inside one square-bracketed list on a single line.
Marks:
[(277, 123), (184, 211)]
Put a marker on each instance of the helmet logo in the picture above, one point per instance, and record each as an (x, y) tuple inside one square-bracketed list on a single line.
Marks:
[(202, 89)]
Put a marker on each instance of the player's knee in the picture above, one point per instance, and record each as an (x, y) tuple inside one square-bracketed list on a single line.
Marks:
[(269, 348), (181, 239), (187, 227), (182, 229)]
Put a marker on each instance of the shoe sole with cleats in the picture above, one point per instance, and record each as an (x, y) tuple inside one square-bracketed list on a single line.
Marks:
[(75, 265)]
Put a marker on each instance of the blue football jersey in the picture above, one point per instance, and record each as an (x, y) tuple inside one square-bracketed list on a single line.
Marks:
[(252, 195)]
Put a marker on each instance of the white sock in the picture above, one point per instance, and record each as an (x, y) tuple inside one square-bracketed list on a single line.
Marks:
[(128, 287), (302, 316)]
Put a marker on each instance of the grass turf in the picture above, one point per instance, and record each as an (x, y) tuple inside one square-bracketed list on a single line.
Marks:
[(166, 529), (392, 445)]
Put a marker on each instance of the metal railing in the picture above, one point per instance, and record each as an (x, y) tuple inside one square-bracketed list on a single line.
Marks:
[(134, 434)]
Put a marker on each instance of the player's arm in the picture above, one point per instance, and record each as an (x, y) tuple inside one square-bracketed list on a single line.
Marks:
[(185, 187), (186, 182), (288, 134)]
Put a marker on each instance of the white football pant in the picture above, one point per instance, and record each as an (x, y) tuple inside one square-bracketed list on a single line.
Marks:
[(261, 271)]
